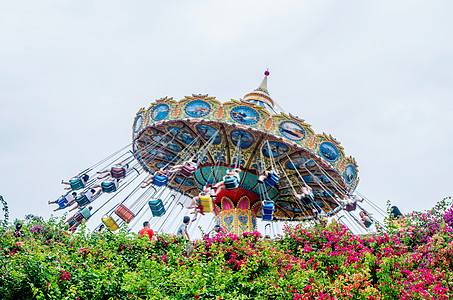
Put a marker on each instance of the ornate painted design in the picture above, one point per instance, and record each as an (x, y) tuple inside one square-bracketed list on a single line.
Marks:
[(182, 134), (245, 115), (291, 130), (138, 123), (228, 215), (350, 174), (165, 142), (277, 148), (300, 163), (199, 116), (159, 112), (184, 181), (246, 138), (206, 132), (329, 151), (197, 108), (243, 216)]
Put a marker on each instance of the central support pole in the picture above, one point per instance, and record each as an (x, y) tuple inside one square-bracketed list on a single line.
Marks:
[(237, 210)]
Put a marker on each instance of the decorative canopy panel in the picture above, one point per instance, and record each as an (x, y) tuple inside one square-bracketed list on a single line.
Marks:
[(169, 129)]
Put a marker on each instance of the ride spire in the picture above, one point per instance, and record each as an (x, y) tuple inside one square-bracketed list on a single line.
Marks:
[(261, 95), (263, 85)]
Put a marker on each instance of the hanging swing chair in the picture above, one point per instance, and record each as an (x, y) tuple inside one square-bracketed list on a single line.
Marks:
[(124, 213), (109, 185), (157, 207), (160, 180), (207, 203), (188, 170), (118, 172), (76, 183), (110, 223), (267, 210), (82, 200), (272, 179)]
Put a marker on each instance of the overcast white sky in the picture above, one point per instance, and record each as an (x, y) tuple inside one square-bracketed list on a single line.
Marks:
[(377, 75)]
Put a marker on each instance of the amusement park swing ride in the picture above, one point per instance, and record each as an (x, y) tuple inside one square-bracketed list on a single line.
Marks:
[(285, 172)]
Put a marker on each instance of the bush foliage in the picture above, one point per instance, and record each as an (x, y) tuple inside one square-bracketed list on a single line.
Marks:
[(410, 258)]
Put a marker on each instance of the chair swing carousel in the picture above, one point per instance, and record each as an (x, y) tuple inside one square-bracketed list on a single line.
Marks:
[(180, 148), (248, 135)]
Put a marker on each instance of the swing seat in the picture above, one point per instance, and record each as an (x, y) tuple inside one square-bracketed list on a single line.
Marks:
[(72, 221), (368, 224), (124, 213), (110, 223), (62, 202), (76, 183), (267, 210), (206, 202), (350, 207), (78, 217), (118, 172), (188, 171), (160, 180), (82, 200), (85, 212), (157, 207), (272, 179), (231, 182), (108, 186)]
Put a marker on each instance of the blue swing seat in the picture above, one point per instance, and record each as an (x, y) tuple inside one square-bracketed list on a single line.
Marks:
[(76, 183), (272, 179), (82, 200), (160, 180), (231, 182), (62, 202), (157, 207), (108, 186), (267, 210)]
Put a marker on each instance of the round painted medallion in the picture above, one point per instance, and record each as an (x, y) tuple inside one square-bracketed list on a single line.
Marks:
[(350, 174), (197, 108), (138, 123), (291, 130), (207, 132), (245, 115), (245, 137), (277, 148), (329, 151), (299, 163), (166, 143), (182, 134), (159, 112)]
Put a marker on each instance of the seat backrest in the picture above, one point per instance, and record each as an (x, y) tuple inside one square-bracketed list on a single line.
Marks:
[(108, 186), (82, 200), (118, 172), (124, 213), (157, 207), (110, 223), (85, 212), (188, 171), (231, 182), (160, 180), (76, 183), (272, 179)]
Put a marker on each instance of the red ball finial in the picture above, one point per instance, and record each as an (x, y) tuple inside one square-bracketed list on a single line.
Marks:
[(266, 73)]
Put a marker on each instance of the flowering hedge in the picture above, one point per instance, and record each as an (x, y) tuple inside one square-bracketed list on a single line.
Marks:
[(410, 258)]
